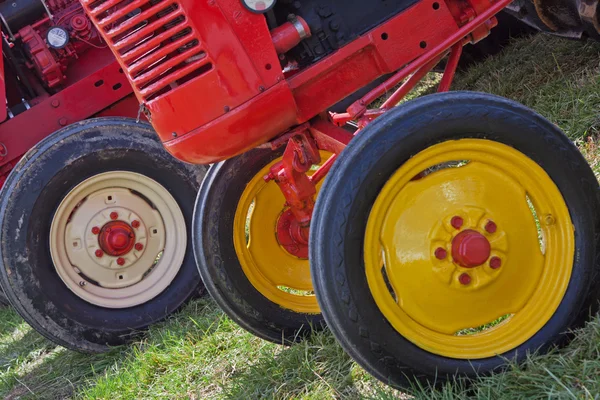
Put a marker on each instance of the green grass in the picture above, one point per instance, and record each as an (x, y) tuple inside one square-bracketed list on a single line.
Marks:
[(201, 354)]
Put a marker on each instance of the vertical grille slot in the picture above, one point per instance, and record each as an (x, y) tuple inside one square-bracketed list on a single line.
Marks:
[(154, 41)]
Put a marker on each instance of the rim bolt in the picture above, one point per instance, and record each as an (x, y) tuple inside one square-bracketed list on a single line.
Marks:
[(99, 253), (441, 253), (114, 215), (139, 246), (121, 261), (82, 283), (549, 219), (464, 279), (135, 223), (457, 222), (491, 227), (95, 230), (495, 262)]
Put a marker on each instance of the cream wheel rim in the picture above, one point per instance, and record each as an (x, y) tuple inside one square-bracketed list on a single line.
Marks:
[(145, 209)]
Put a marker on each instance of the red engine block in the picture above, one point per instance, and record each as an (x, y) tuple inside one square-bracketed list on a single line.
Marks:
[(51, 64)]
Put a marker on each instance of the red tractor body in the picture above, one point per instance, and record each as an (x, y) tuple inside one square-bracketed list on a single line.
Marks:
[(209, 74)]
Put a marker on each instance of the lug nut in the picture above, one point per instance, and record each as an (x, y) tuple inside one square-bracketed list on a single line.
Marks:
[(135, 223), (114, 215), (95, 230), (495, 262), (491, 227), (121, 261), (464, 279), (99, 253), (457, 222), (139, 246), (441, 253)]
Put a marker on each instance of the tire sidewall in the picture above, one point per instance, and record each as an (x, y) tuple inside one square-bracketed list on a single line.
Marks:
[(31, 196), (352, 188)]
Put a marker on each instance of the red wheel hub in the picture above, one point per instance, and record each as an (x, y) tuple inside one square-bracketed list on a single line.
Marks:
[(470, 249), (116, 238), (292, 236)]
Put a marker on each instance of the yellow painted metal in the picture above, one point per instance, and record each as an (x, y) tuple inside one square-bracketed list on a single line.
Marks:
[(275, 273), (412, 218)]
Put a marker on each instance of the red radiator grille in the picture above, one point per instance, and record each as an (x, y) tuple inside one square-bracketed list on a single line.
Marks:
[(157, 46)]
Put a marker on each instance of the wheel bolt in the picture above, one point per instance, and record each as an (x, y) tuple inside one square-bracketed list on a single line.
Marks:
[(95, 230), (495, 262), (464, 279), (121, 261), (441, 253), (457, 222), (491, 227), (99, 253), (549, 219), (114, 215), (139, 246), (135, 223)]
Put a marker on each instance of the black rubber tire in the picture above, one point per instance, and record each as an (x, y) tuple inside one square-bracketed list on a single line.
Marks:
[(28, 201), (217, 260), (3, 299), (351, 188)]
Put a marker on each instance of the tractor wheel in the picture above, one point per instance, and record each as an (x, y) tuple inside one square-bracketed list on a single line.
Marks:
[(448, 242), (94, 234), (264, 287)]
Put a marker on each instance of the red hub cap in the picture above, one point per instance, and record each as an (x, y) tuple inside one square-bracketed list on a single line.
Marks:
[(470, 249), (116, 238), (292, 236)]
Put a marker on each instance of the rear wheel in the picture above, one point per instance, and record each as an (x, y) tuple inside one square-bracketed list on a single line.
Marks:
[(262, 284), (94, 234), (468, 237)]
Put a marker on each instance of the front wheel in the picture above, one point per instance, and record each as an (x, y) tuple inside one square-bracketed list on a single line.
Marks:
[(454, 233), (262, 284), (94, 234)]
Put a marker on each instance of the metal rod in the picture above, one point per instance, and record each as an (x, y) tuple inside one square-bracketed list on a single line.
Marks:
[(450, 69)]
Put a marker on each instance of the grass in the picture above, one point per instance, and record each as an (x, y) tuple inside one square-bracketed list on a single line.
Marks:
[(201, 354)]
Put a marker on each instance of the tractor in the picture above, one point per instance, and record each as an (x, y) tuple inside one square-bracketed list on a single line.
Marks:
[(444, 236), (95, 244)]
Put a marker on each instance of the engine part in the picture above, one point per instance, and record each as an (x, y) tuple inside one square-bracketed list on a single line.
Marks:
[(57, 37), (259, 6)]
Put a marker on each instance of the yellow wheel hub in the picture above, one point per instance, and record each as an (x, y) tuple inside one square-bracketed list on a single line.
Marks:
[(481, 242), (276, 273)]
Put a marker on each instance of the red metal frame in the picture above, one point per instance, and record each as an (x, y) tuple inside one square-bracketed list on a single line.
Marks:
[(83, 99)]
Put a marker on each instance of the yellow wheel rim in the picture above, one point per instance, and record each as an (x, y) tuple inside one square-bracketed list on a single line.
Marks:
[(434, 301), (278, 275)]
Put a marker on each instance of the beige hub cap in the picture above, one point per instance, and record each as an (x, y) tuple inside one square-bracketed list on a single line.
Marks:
[(118, 239)]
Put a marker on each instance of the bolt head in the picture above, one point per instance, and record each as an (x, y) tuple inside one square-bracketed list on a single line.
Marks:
[(114, 215), (457, 222), (464, 279), (495, 262), (95, 230), (99, 253), (491, 227), (121, 261), (135, 223), (139, 246), (549, 219), (441, 253)]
